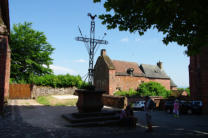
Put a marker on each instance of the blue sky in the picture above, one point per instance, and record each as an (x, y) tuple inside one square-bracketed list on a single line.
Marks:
[(59, 20)]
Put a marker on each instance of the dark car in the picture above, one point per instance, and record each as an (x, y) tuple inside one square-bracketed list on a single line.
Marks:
[(186, 107), (191, 107), (169, 106)]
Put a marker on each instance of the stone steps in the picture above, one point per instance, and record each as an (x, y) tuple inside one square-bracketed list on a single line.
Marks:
[(95, 114), (94, 124), (104, 118)]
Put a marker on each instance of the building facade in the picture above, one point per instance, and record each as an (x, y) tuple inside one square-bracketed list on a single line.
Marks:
[(113, 75), (198, 77), (4, 52)]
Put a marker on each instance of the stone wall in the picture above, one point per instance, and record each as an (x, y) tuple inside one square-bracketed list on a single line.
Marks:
[(156, 99), (101, 75), (44, 91), (114, 101), (124, 83), (4, 49), (198, 77)]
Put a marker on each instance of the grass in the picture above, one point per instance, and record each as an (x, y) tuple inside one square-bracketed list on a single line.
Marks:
[(51, 101)]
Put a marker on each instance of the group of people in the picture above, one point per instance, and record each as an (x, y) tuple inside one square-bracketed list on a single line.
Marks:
[(127, 116)]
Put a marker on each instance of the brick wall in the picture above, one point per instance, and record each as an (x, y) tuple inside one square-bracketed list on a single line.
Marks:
[(164, 82), (127, 82), (4, 49), (7, 73), (198, 77), (4, 69)]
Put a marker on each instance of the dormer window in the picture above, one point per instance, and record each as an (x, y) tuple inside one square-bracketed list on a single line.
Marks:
[(157, 71), (130, 71)]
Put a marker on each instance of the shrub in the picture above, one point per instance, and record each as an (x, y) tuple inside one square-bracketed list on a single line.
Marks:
[(57, 80), (153, 89), (131, 92)]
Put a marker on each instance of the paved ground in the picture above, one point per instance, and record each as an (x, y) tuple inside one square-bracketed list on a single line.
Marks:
[(37, 121), (65, 96)]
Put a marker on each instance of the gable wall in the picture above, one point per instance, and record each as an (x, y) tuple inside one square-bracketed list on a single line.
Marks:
[(101, 78)]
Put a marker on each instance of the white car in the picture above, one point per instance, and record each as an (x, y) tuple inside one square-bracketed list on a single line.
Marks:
[(138, 105)]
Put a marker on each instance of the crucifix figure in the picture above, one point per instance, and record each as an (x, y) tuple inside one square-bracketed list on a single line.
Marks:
[(91, 44)]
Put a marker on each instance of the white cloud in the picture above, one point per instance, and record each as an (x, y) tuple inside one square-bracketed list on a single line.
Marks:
[(137, 39), (80, 61), (125, 39), (62, 70)]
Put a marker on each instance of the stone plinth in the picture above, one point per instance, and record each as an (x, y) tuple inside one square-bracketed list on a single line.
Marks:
[(89, 100)]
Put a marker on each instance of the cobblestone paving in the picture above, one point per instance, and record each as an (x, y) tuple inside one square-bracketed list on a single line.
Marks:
[(13, 126)]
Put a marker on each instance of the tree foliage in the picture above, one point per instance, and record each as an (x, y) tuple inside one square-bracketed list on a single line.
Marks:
[(57, 80), (30, 52), (131, 92), (153, 89), (181, 21), (184, 89)]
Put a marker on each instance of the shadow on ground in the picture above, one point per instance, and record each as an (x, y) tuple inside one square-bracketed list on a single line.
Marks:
[(46, 121)]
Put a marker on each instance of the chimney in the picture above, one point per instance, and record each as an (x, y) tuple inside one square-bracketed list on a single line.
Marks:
[(103, 52), (159, 64)]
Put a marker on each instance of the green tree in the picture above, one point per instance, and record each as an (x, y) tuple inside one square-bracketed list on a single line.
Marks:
[(184, 89), (153, 89), (181, 21), (30, 52)]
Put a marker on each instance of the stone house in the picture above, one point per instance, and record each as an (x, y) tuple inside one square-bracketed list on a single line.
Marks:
[(113, 75)]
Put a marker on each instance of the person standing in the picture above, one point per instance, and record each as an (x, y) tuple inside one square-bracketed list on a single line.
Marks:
[(149, 104), (176, 108)]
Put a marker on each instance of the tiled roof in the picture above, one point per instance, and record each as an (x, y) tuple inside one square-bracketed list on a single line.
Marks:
[(153, 71), (122, 67), (108, 62)]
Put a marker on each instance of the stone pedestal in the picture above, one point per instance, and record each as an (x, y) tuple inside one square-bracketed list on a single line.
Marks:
[(89, 100)]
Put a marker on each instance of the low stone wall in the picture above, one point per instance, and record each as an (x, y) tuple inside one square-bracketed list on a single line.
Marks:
[(122, 102), (114, 101), (133, 99), (44, 91), (156, 99)]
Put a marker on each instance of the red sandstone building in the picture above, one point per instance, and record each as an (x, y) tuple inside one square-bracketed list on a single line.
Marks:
[(4, 52), (114, 75), (198, 77)]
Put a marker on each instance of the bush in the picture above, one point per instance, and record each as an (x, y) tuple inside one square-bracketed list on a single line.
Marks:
[(153, 89), (131, 92), (57, 80), (184, 89)]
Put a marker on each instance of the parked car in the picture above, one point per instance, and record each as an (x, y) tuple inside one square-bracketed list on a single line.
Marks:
[(186, 107), (169, 106), (191, 107), (138, 105)]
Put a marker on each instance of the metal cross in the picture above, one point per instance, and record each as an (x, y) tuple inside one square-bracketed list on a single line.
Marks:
[(91, 44)]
